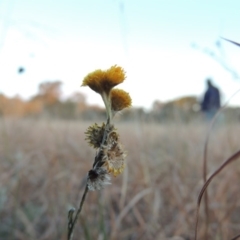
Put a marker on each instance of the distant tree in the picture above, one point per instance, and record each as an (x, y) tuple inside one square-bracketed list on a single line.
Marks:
[(80, 100), (3, 101), (93, 112), (13, 107), (49, 95), (188, 103), (49, 92), (183, 109), (157, 105), (33, 108)]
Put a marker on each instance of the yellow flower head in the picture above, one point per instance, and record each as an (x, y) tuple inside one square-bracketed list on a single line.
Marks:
[(94, 79), (120, 100), (103, 81)]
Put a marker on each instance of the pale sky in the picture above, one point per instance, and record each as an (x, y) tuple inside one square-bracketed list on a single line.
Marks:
[(152, 40)]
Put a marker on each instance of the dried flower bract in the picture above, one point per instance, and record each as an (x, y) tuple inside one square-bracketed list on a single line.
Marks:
[(115, 159), (94, 135)]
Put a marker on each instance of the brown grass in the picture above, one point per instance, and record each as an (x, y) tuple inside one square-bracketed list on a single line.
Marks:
[(43, 166)]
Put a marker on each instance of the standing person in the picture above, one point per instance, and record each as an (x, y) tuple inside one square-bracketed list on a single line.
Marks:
[(211, 100)]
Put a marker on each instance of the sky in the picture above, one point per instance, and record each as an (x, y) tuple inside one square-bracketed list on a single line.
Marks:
[(167, 47)]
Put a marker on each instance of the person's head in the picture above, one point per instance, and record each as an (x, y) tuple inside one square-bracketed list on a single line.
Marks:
[(209, 82)]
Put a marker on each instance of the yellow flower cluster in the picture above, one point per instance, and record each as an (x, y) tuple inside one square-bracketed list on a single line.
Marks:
[(103, 83)]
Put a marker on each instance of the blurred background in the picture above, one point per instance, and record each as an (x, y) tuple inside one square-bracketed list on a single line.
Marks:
[(168, 50)]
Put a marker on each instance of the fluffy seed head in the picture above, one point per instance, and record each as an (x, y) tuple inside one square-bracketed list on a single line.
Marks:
[(98, 178)]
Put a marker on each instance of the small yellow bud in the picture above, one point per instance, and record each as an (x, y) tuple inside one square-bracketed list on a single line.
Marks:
[(120, 100)]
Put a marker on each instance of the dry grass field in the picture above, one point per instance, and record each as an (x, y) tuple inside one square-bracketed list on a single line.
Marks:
[(43, 167)]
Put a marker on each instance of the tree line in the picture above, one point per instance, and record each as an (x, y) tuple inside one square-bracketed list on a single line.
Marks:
[(48, 103)]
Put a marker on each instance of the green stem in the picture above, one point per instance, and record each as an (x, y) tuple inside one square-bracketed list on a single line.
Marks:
[(71, 226), (108, 105)]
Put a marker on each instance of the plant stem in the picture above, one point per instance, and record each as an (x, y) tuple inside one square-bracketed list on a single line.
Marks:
[(108, 105), (71, 226), (98, 157)]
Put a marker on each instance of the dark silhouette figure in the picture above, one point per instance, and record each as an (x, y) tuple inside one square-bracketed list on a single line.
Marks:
[(211, 100)]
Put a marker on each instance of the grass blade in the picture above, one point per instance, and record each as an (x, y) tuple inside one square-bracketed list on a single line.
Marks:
[(222, 166), (238, 44)]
